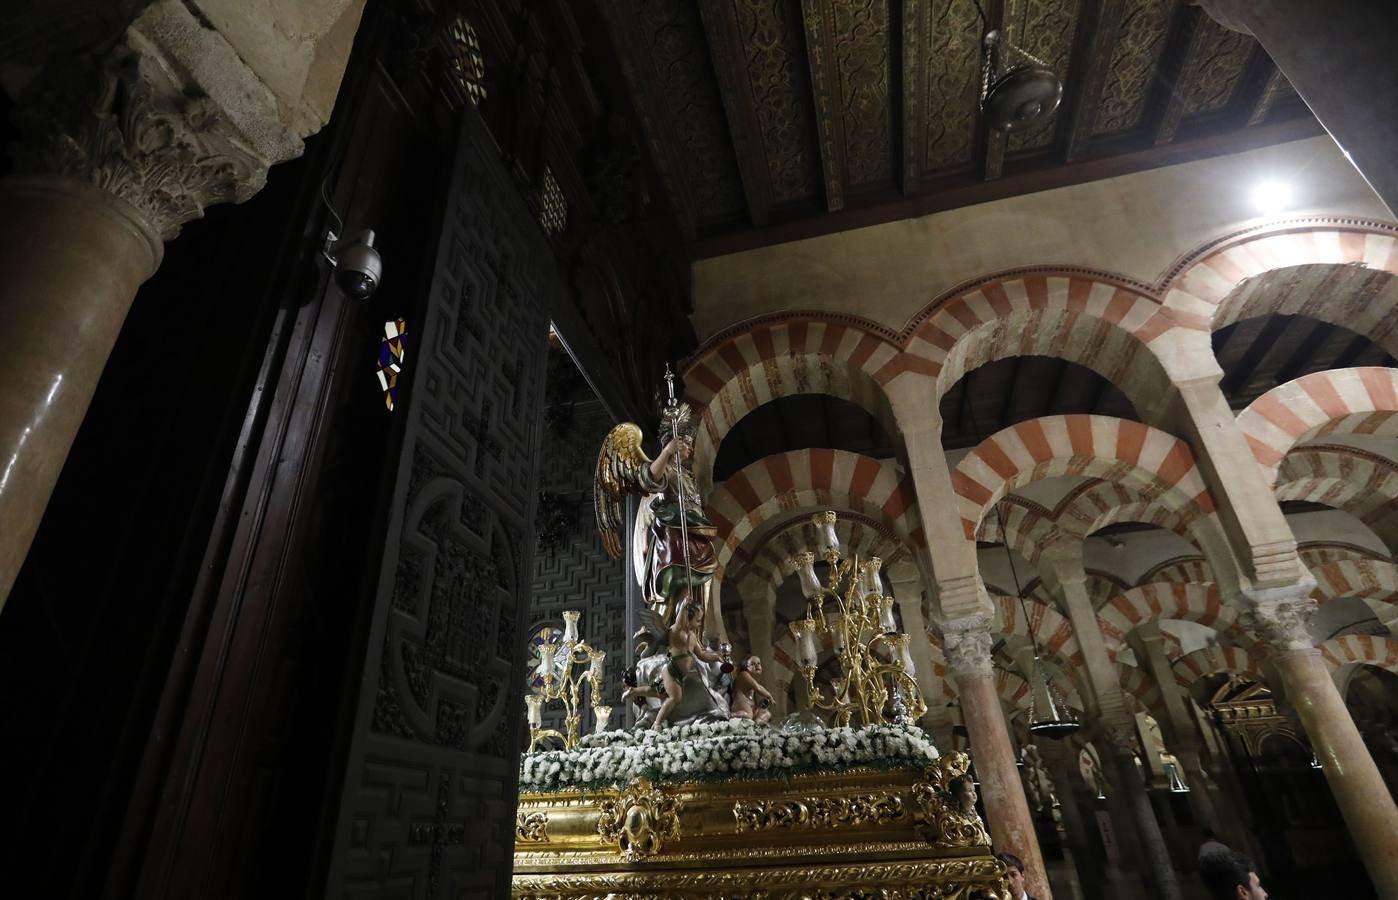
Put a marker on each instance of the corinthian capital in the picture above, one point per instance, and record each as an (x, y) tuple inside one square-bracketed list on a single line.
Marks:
[(1284, 624), (966, 643), (167, 118)]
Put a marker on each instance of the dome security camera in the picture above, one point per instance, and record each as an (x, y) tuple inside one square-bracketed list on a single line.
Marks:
[(358, 266)]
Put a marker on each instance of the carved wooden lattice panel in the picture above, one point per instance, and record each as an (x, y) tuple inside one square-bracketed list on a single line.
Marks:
[(430, 784), (578, 574)]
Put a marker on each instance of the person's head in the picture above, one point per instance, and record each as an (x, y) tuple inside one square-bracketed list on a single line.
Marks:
[(1015, 868), (752, 664), (1231, 877)]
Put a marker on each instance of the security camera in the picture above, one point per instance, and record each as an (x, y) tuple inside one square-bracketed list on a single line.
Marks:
[(358, 266)]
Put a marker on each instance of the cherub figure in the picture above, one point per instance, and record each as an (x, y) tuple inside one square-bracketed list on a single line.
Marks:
[(683, 645), (746, 690)]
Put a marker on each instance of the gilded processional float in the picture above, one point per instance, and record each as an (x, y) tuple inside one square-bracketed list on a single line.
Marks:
[(706, 796)]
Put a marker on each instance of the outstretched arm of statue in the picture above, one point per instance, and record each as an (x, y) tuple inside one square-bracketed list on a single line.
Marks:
[(681, 445)]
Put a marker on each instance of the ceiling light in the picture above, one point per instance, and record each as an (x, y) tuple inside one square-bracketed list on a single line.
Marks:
[(1271, 196)]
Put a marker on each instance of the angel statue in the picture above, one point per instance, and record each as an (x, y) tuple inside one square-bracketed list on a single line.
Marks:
[(675, 562)]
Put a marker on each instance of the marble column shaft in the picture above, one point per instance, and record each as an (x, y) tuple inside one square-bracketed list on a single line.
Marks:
[(71, 259), (1184, 741), (907, 591), (968, 644), (1360, 792), (1061, 760), (1065, 576)]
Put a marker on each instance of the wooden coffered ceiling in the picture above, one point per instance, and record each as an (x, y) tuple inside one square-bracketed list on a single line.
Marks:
[(771, 120)]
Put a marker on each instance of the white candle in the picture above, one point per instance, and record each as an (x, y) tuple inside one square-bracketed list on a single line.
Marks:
[(536, 715), (604, 717)]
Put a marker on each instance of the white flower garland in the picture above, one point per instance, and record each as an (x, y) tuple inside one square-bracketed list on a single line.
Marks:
[(719, 750)]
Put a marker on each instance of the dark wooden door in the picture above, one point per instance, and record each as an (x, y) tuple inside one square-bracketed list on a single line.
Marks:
[(429, 794)]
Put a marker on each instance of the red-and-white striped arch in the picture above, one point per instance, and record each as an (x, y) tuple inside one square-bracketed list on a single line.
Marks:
[(1130, 609), (1361, 400), (780, 486), (1099, 446), (1093, 321), (1185, 569), (1361, 483), (749, 367), (1356, 298), (1051, 631), (763, 555), (1208, 660), (1030, 529), (1211, 275), (1137, 684), (1318, 553), (1371, 580), (1368, 649)]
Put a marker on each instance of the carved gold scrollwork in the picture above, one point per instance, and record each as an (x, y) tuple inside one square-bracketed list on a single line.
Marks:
[(820, 812), (531, 827), (640, 820), (945, 822)]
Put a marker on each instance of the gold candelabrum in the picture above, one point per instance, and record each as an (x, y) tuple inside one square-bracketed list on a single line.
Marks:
[(876, 667), (566, 668)]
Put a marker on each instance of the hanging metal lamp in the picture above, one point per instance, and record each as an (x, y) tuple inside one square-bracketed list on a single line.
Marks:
[(1021, 96), (1049, 713)]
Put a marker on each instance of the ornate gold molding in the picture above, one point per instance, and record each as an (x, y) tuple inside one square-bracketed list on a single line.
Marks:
[(945, 822), (879, 808), (640, 820), (951, 879), (531, 827)]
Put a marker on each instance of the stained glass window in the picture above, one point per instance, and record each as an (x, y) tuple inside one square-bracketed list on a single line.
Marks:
[(391, 360), (553, 205), (544, 634), (467, 62)]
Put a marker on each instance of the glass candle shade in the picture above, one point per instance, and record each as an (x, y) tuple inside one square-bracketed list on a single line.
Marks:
[(886, 620), (535, 703), (873, 584), (804, 632), (804, 565), (570, 626), (604, 718), (907, 655), (546, 659), (598, 658), (826, 538)]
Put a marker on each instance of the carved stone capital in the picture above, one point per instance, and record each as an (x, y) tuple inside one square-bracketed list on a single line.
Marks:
[(1120, 738), (167, 119), (966, 643), (1284, 624)]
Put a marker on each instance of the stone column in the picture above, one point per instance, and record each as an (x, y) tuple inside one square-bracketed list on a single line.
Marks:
[(120, 146), (1334, 54), (1061, 760), (1121, 746), (760, 611), (1359, 789), (1063, 573), (968, 644), (1179, 730)]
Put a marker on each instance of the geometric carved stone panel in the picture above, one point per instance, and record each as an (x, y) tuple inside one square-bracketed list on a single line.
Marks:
[(428, 804)]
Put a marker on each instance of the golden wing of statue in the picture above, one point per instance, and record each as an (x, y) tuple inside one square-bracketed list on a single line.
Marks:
[(617, 471)]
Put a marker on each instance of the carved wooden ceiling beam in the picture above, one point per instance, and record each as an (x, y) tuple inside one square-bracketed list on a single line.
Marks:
[(1177, 100), (915, 16), (1274, 88), (1102, 24), (655, 114), (828, 97), (721, 29)]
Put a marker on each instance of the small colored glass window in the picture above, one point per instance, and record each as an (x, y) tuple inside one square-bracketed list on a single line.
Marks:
[(391, 360)]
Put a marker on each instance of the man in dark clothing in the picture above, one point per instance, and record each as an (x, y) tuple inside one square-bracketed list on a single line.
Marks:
[(1015, 867), (1231, 877)]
